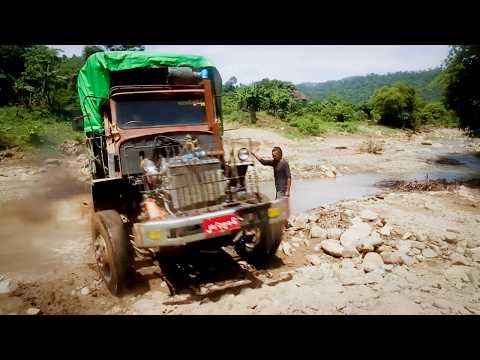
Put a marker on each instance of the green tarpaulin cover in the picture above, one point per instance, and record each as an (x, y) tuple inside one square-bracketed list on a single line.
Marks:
[(94, 80)]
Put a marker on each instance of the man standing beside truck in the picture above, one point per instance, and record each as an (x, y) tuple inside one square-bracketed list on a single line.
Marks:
[(281, 172)]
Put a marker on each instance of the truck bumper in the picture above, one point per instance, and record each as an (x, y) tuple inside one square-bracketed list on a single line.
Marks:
[(184, 230)]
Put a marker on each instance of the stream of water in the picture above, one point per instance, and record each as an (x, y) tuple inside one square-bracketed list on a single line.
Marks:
[(440, 164)]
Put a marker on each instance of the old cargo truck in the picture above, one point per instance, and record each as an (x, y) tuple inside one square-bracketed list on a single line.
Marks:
[(161, 176)]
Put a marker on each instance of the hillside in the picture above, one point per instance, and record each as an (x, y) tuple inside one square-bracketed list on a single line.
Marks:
[(357, 89)]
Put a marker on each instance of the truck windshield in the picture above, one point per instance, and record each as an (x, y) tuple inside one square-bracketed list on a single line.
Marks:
[(142, 113)]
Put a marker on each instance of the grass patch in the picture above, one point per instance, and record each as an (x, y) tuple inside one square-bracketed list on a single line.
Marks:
[(307, 125), (264, 121), (310, 124), (301, 126), (34, 129)]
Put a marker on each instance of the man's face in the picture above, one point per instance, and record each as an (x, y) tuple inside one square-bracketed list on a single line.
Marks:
[(276, 155)]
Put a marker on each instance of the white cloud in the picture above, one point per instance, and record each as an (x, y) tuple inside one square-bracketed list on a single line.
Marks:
[(305, 63)]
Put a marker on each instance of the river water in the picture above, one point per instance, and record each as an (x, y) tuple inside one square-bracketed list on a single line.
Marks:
[(448, 164)]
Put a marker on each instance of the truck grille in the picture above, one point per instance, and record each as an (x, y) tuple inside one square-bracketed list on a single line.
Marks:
[(196, 184)]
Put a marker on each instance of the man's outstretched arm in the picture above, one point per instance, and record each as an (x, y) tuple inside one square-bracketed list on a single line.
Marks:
[(262, 161)]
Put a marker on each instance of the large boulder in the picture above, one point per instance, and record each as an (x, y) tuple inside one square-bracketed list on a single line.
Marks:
[(386, 230), (350, 252), (33, 311), (353, 236), (372, 262), (390, 257), (374, 239), (334, 233), (7, 285), (318, 232), (451, 238), (332, 247)]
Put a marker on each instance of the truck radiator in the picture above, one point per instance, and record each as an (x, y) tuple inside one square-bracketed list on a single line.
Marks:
[(196, 184)]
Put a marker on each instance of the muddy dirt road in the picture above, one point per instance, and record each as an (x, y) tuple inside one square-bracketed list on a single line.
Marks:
[(363, 249)]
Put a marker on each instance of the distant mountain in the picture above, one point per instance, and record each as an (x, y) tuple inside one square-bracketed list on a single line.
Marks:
[(357, 89)]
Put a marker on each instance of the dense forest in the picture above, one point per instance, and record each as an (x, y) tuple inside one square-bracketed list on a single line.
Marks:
[(38, 93), (357, 89)]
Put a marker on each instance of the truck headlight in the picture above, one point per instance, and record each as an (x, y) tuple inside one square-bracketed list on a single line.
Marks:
[(243, 154)]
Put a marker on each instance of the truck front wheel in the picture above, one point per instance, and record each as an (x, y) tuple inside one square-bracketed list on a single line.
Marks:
[(113, 252), (261, 246)]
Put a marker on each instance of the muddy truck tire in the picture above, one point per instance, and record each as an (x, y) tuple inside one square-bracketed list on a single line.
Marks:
[(270, 237), (259, 251), (113, 251), (267, 244)]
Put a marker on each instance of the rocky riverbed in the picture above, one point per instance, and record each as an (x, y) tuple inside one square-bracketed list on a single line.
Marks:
[(401, 250)]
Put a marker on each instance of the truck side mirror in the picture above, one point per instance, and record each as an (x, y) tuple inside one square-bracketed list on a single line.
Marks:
[(77, 123)]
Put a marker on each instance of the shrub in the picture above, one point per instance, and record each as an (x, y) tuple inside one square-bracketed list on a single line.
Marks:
[(24, 127), (435, 114), (372, 146), (396, 105), (307, 124)]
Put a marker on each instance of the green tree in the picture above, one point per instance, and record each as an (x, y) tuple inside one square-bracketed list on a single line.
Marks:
[(249, 98), (333, 109), (435, 113), (396, 105), (462, 92), (124, 47), (65, 99), (277, 97), (91, 49), (41, 77), (229, 86), (12, 64)]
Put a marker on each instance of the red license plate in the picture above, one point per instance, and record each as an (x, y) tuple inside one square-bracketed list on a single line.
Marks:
[(221, 224)]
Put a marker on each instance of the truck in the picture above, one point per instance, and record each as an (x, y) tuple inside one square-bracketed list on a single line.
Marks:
[(162, 178)]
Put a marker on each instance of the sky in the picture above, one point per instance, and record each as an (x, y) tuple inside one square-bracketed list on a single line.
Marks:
[(304, 63)]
